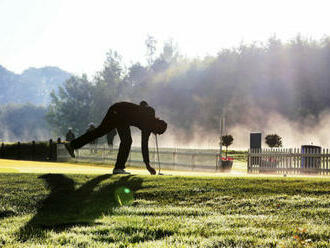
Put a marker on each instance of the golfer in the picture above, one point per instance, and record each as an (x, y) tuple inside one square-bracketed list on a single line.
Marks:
[(121, 116)]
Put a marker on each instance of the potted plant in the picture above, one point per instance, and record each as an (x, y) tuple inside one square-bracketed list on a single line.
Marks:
[(269, 165), (273, 140), (227, 162)]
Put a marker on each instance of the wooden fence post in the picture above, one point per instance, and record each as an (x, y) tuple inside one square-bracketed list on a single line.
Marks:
[(174, 159), (18, 154), (327, 162), (248, 161), (216, 162), (50, 149), (104, 153), (193, 161), (33, 150), (2, 151)]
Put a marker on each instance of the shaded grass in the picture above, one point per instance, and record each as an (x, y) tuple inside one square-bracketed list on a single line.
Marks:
[(82, 211)]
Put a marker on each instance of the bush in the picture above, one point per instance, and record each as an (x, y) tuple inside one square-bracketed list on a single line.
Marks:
[(39, 151), (273, 140)]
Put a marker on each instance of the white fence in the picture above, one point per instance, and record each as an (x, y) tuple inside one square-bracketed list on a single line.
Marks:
[(293, 161), (169, 158)]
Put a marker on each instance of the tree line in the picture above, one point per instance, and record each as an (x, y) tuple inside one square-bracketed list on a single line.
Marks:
[(23, 122), (247, 82)]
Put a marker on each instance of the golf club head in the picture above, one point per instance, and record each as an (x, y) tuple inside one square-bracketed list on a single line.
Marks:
[(162, 174)]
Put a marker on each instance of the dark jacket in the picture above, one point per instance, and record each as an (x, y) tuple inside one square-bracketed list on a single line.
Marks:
[(133, 115), (142, 117)]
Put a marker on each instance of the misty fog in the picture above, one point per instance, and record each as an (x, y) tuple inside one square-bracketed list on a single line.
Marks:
[(271, 88)]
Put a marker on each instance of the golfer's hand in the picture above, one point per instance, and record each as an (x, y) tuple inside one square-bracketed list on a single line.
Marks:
[(151, 170)]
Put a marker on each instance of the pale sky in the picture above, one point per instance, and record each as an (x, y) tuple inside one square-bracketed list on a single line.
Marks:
[(76, 34)]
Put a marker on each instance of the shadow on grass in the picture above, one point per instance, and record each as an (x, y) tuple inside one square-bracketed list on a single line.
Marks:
[(134, 234), (6, 213), (66, 206)]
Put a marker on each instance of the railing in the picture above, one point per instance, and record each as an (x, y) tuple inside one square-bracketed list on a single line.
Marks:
[(289, 161), (169, 158)]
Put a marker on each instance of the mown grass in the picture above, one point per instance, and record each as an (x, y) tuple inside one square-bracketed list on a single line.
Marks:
[(55, 210)]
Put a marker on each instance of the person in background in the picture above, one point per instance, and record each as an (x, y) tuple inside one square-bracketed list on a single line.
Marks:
[(69, 135), (110, 137), (93, 143)]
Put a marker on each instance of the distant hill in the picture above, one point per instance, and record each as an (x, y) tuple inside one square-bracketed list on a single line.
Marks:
[(32, 86)]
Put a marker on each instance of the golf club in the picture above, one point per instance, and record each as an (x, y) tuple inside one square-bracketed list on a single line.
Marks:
[(159, 173), (158, 155)]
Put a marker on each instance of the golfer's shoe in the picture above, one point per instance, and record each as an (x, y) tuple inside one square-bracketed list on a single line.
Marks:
[(120, 171), (151, 170), (69, 149)]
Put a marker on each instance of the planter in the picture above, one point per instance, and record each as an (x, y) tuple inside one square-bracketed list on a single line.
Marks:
[(226, 166)]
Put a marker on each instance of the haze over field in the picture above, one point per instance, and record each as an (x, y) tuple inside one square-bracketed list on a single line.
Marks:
[(264, 63)]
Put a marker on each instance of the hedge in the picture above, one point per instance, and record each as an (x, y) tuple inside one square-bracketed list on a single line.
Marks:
[(37, 151)]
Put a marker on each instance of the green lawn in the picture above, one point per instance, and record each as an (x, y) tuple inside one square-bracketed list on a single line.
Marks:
[(57, 210)]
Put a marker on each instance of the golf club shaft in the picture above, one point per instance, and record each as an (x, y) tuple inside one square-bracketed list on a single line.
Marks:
[(157, 153)]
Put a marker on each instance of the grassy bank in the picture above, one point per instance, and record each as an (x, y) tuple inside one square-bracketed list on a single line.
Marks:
[(153, 211)]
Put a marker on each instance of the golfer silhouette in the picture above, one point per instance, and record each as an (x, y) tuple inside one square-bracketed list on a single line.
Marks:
[(121, 116)]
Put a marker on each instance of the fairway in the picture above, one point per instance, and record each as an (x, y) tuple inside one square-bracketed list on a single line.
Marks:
[(85, 206), (18, 166)]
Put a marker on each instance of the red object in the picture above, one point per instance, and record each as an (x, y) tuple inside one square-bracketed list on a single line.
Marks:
[(227, 159)]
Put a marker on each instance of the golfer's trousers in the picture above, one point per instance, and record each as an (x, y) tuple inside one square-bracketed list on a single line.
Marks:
[(109, 122)]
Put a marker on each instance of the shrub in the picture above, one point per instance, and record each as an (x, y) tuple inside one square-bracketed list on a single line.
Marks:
[(40, 151)]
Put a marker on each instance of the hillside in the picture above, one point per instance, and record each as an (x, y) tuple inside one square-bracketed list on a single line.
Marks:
[(33, 85)]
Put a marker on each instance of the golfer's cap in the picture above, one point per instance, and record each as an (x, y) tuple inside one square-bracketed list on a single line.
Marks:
[(144, 103)]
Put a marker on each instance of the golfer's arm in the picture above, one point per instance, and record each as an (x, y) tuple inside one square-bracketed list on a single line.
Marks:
[(145, 148)]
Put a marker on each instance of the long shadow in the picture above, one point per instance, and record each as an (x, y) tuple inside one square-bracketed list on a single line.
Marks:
[(6, 214), (66, 206)]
